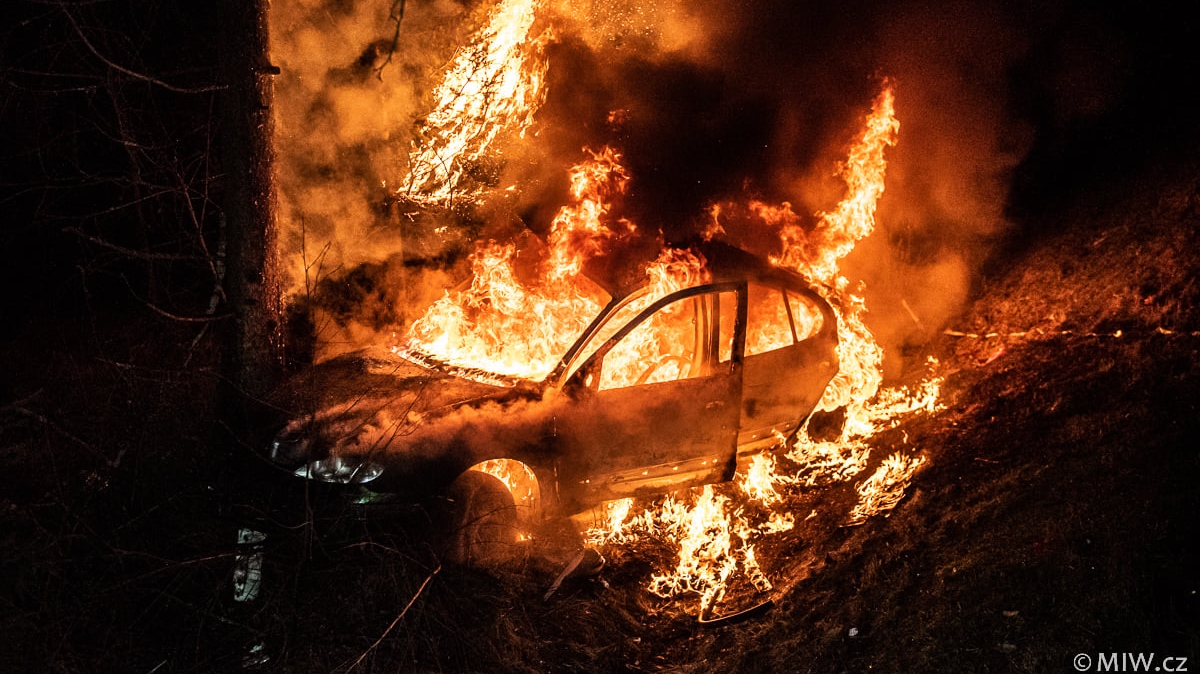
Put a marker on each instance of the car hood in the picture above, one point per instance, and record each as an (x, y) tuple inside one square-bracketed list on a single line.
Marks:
[(359, 404)]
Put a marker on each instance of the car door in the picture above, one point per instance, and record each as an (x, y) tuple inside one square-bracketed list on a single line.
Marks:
[(656, 407), (789, 359)]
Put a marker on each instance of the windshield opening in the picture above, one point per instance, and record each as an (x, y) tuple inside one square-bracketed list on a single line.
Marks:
[(498, 327)]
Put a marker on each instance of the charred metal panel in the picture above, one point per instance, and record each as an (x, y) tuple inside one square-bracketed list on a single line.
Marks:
[(781, 387), (372, 406), (609, 436), (433, 453)]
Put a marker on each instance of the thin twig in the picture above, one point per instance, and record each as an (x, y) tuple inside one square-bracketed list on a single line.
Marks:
[(167, 314), (397, 620), (130, 252), (25, 412), (397, 15), (132, 73)]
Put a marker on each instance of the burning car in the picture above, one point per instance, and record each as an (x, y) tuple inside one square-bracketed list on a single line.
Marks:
[(662, 391)]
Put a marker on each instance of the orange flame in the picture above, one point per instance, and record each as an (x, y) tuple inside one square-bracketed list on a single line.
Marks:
[(714, 543), (706, 551), (493, 86), (650, 341), (499, 324), (884, 489), (502, 325), (707, 557), (578, 230), (759, 481), (816, 255)]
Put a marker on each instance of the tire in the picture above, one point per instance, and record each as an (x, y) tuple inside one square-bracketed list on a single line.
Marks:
[(484, 527), (827, 426)]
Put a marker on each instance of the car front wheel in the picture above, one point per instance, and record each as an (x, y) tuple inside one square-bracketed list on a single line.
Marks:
[(484, 528)]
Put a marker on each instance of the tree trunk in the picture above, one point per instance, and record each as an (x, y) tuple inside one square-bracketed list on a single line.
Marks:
[(252, 364)]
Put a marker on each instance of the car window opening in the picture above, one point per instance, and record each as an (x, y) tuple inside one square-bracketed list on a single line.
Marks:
[(768, 325), (805, 315), (663, 347)]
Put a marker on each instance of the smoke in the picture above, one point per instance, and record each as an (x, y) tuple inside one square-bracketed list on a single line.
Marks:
[(346, 105), (708, 101), (724, 102), (948, 177)]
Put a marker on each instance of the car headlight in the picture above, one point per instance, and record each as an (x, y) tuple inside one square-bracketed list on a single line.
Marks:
[(340, 470)]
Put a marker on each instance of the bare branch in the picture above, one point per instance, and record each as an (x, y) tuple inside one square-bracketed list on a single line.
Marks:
[(185, 319), (130, 252), (397, 620), (133, 73), (167, 314), (396, 15)]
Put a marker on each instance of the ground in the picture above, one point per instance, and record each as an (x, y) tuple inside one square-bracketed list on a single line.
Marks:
[(1055, 515)]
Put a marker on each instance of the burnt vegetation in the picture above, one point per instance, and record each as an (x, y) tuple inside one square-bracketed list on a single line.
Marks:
[(1055, 515)]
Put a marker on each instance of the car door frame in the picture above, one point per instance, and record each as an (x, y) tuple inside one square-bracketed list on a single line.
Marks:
[(590, 470), (814, 358)]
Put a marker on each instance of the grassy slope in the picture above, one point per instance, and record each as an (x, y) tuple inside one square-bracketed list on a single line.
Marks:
[(1057, 513)]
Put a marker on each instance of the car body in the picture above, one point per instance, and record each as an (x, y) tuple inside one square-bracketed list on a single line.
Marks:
[(739, 361)]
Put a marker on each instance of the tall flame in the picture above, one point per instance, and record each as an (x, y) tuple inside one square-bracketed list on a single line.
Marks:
[(493, 86), (816, 254), (503, 325), (708, 554), (706, 551), (579, 228)]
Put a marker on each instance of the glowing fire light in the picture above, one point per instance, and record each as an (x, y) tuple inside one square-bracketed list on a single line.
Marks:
[(759, 481), (707, 554), (516, 327), (816, 254), (579, 228), (502, 325), (706, 557), (714, 542), (516, 476), (884, 489), (651, 341)]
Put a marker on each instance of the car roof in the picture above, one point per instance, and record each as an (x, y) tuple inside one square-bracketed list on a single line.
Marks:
[(724, 262), (728, 263)]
